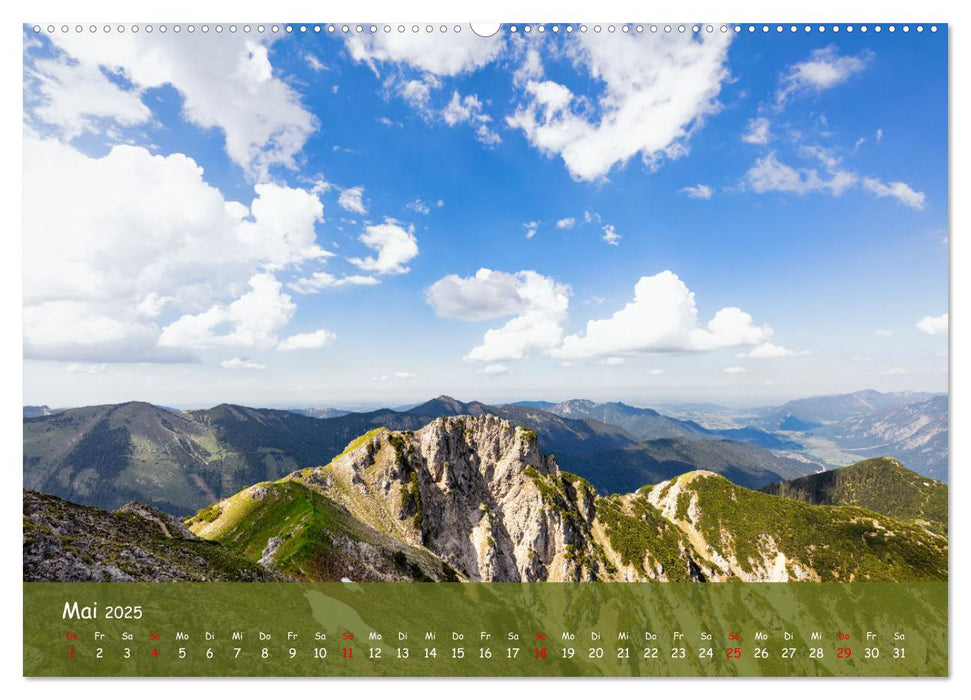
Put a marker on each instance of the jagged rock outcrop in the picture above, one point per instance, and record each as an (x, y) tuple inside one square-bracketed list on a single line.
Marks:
[(475, 491)]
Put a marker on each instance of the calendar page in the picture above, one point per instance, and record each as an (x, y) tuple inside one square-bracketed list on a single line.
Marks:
[(408, 349)]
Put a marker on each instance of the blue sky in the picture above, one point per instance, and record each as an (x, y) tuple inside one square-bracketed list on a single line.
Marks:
[(318, 219)]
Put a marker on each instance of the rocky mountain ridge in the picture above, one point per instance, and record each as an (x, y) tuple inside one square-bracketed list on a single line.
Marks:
[(476, 494)]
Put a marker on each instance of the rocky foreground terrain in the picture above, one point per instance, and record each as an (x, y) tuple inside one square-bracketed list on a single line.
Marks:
[(67, 542)]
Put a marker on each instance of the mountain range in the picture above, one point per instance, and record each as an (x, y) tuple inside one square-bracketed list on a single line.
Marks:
[(178, 461), (473, 498)]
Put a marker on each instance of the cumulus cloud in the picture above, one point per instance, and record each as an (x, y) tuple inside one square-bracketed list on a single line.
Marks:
[(697, 191), (824, 69), (252, 320), (654, 372), (352, 199), (446, 54), (491, 294), (882, 333), (537, 303), (566, 223), (226, 82), (771, 175), (734, 370), (308, 341), (898, 190), (75, 98), (663, 318), (766, 351), (655, 93), (94, 292), (322, 280), (933, 325), (611, 237), (494, 370), (394, 245), (530, 227), (241, 363), (758, 131)]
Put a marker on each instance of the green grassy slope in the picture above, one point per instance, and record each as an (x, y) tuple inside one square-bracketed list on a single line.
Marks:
[(306, 535), (881, 484), (837, 542)]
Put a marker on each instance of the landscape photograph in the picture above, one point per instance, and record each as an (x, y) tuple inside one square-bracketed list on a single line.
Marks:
[(563, 303)]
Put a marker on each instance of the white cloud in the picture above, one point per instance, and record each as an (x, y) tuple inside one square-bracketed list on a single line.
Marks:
[(824, 69), (766, 351), (882, 333), (241, 363), (352, 199), (400, 376), (462, 109), (417, 93), (610, 235), (394, 245), (612, 361), (770, 175), (566, 223), (468, 110), (898, 190), (323, 280), (663, 318), (76, 97), (492, 294), (94, 292), (879, 135), (419, 207), (758, 131), (734, 370), (281, 232), (893, 371), (252, 320), (88, 368), (226, 82), (451, 53), (697, 192), (531, 227), (494, 370), (589, 217), (315, 63), (655, 93), (933, 325), (308, 341), (487, 136), (654, 372), (538, 303)]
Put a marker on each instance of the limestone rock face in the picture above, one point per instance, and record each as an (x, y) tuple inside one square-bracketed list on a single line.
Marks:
[(476, 491)]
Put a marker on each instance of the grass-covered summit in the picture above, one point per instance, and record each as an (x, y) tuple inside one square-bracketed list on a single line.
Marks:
[(882, 485)]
